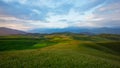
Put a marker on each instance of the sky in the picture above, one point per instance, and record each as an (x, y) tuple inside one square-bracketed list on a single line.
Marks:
[(32, 14)]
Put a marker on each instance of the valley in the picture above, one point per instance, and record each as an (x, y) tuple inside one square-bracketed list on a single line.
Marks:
[(60, 51)]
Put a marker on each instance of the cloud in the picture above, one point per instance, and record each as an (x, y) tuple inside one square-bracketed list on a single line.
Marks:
[(39, 3), (30, 14), (15, 26), (109, 7), (36, 11), (20, 24), (40, 8), (109, 12), (60, 25), (18, 1), (72, 17), (13, 22)]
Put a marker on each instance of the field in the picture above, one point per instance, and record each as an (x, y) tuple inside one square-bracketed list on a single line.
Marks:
[(65, 50)]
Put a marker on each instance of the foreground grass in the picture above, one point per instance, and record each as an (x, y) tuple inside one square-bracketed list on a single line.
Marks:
[(65, 53)]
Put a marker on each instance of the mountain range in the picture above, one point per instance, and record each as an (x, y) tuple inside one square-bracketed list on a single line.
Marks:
[(78, 30), (9, 31)]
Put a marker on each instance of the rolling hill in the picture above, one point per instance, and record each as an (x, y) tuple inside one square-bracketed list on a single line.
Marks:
[(8, 31), (60, 51)]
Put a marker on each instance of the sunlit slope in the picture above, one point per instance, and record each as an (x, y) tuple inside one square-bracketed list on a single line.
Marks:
[(67, 52)]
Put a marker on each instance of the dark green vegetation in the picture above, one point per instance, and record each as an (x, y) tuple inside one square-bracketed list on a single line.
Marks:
[(23, 43), (65, 50), (15, 44)]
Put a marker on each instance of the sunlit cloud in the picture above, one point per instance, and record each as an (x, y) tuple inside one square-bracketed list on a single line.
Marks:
[(29, 14)]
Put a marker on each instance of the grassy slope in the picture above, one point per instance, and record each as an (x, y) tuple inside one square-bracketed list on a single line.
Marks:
[(66, 53)]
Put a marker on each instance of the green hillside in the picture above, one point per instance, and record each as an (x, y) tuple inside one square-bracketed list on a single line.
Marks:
[(60, 51)]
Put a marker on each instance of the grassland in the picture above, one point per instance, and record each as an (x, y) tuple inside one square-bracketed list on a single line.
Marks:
[(60, 51)]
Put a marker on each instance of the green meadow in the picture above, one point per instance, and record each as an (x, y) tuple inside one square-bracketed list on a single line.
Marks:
[(60, 51)]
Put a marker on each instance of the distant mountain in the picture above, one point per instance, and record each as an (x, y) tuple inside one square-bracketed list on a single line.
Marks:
[(106, 30), (8, 31), (78, 30), (89, 31), (57, 30)]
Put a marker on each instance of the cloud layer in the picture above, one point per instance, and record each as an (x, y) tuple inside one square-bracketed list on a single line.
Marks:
[(31, 14)]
